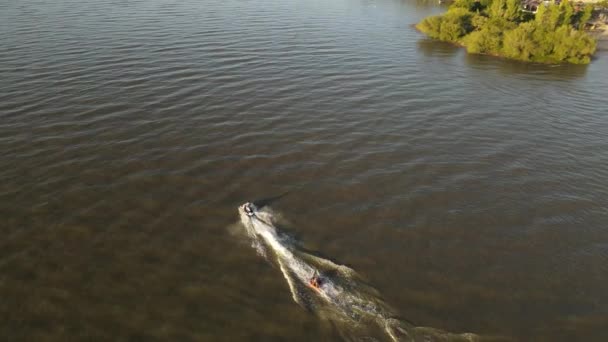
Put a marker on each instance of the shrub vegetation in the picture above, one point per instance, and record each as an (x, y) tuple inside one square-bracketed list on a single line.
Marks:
[(554, 34)]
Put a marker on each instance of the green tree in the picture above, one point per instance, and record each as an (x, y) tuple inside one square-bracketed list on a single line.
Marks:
[(431, 26), (586, 15), (456, 23), (550, 36), (572, 45), (568, 12), (507, 9), (544, 42), (497, 8), (513, 10), (540, 14), (553, 17), (484, 41), (519, 43), (478, 21), (469, 5)]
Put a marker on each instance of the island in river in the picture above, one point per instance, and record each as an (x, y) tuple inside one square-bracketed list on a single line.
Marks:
[(548, 33)]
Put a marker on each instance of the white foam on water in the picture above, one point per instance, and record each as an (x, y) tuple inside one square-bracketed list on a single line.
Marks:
[(352, 306)]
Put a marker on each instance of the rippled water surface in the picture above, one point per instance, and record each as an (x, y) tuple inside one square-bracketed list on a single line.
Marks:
[(470, 191)]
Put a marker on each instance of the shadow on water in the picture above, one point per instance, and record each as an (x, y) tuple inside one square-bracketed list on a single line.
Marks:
[(505, 66), (262, 202), (435, 48), (561, 72)]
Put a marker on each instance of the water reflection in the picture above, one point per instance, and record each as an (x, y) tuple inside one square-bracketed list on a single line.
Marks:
[(443, 50), (510, 67), (435, 48)]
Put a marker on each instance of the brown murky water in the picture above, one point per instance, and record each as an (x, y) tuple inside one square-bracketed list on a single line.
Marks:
[(470, 191)]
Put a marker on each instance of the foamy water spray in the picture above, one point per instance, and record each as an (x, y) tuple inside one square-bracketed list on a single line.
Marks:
[(332, 291)]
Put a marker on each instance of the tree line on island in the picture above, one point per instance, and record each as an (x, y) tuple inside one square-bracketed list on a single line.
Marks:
[(554, 34)]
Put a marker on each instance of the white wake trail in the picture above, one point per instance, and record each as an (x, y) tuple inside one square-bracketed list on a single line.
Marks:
[(332, 291)]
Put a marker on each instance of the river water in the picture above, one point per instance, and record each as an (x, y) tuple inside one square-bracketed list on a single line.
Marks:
[(470, 191)]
